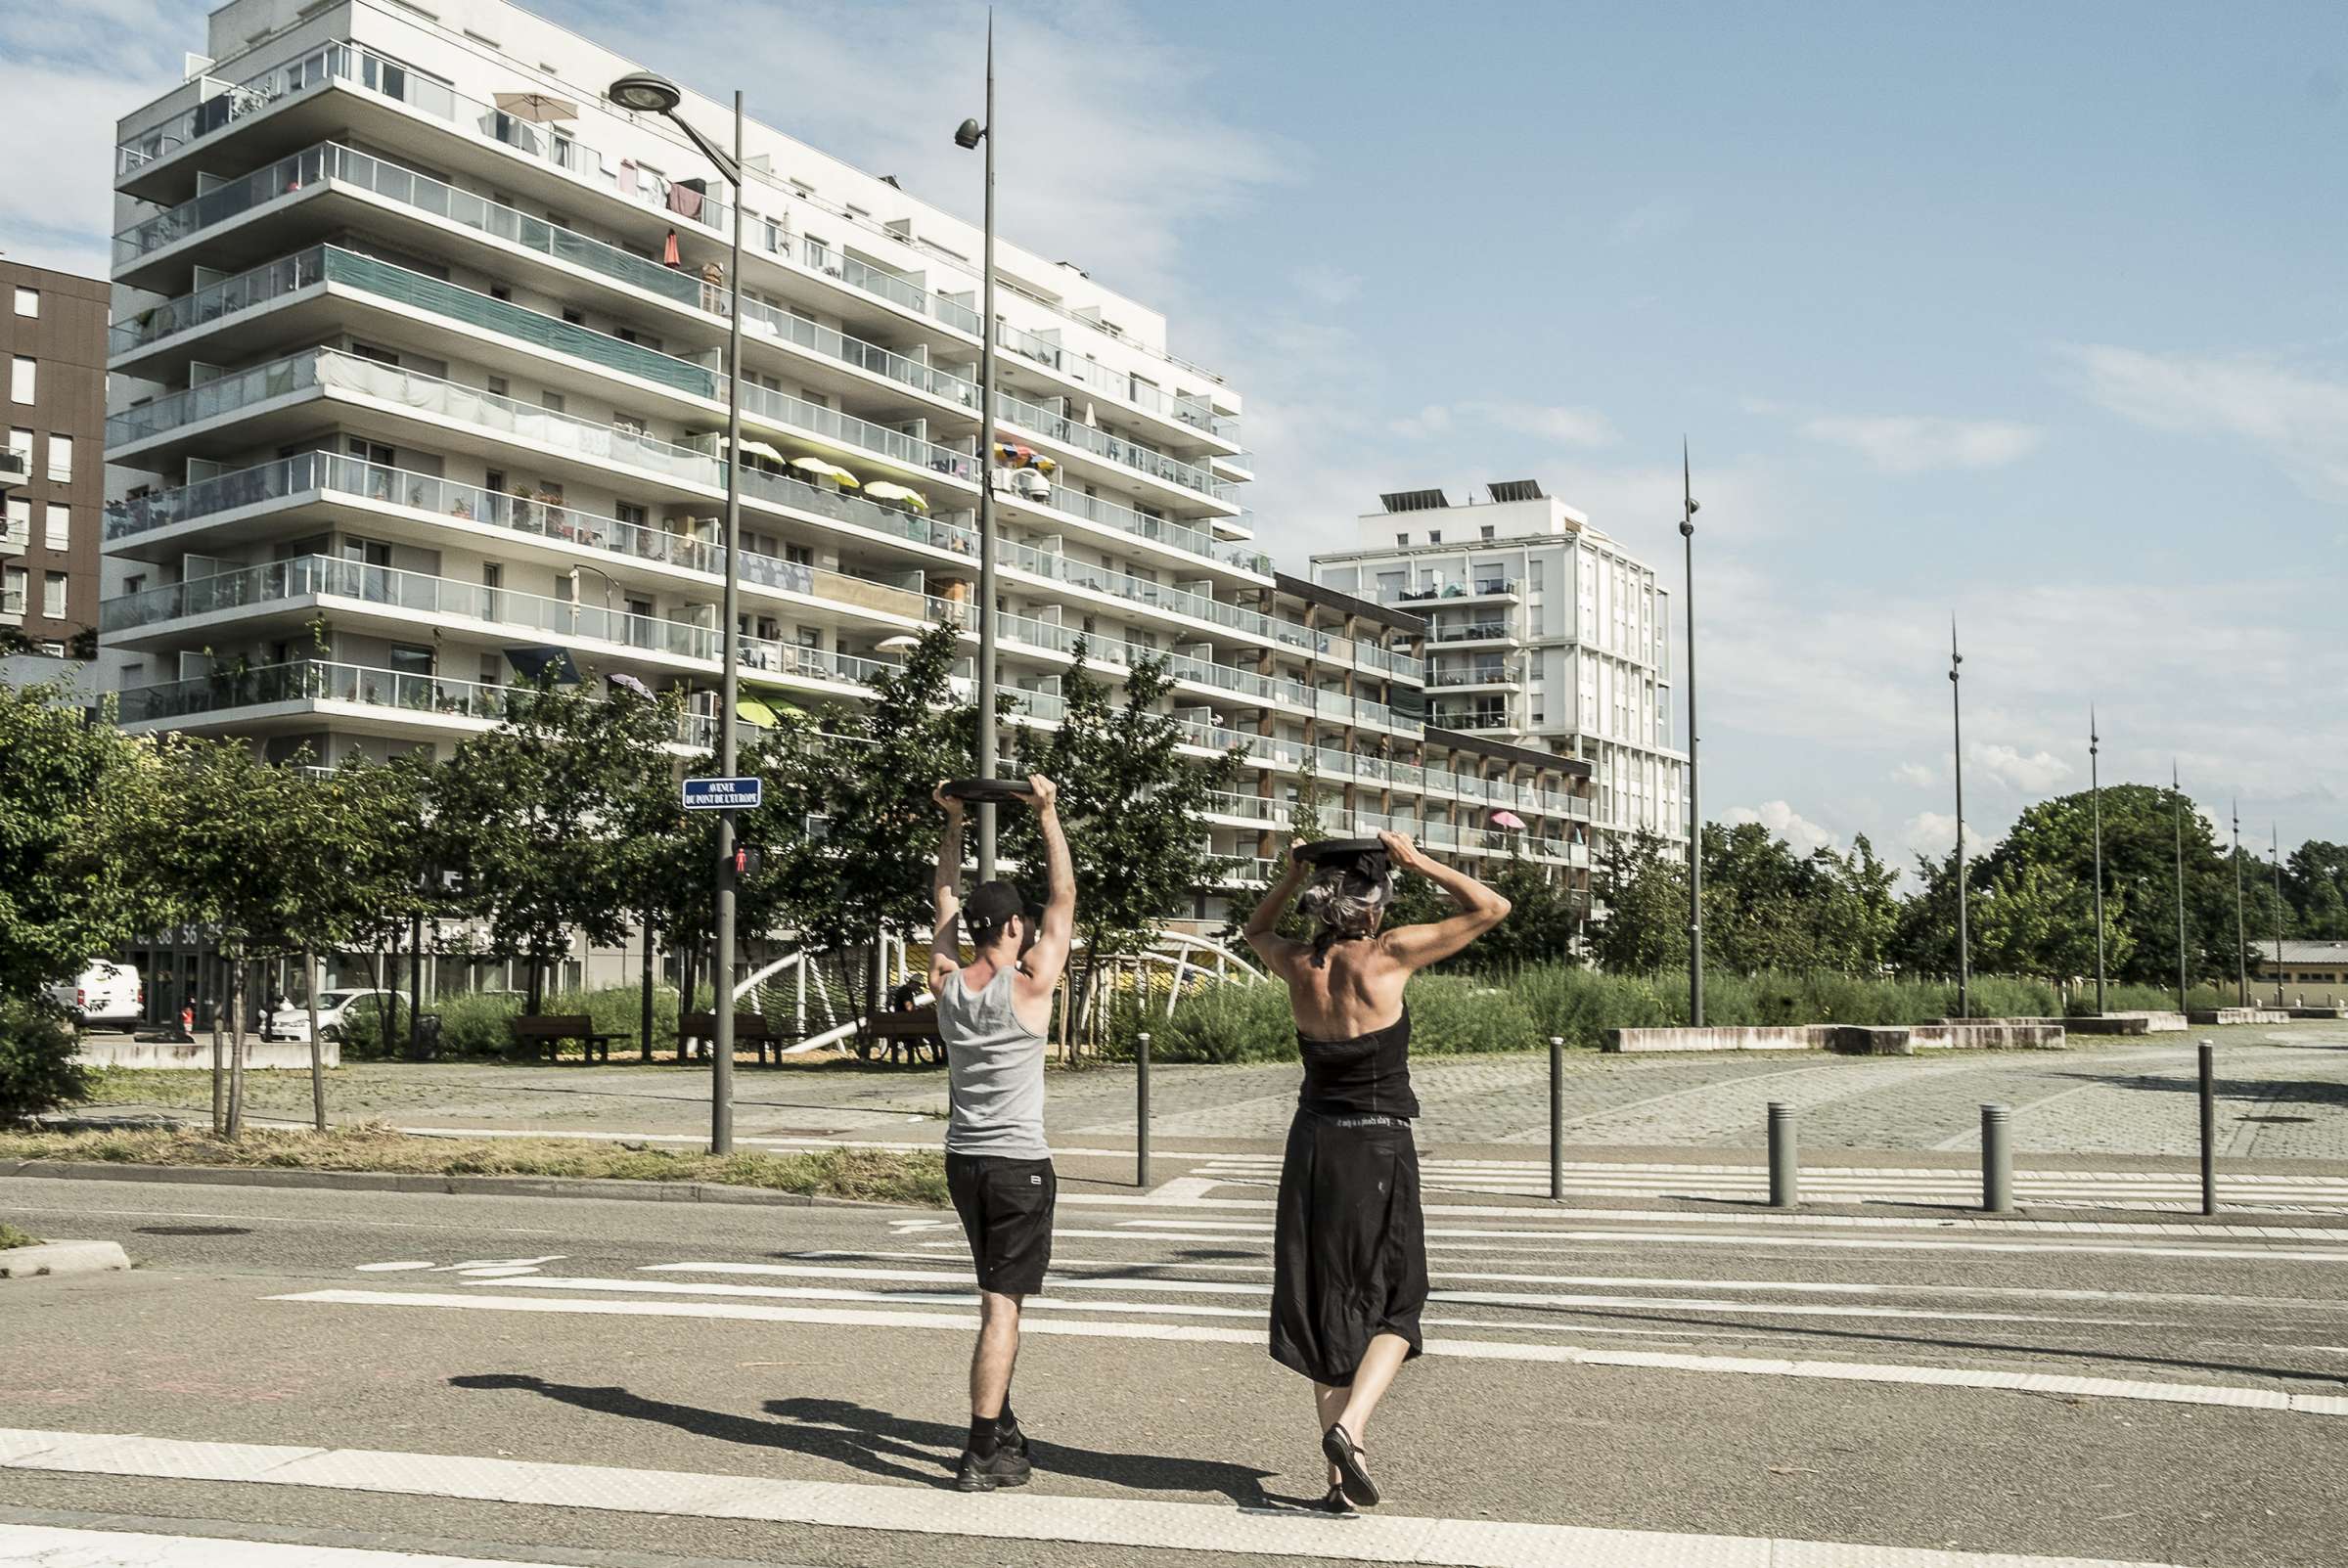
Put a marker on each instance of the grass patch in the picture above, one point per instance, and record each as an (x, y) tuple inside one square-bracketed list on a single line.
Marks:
[(10, 1237), (878, 1175)]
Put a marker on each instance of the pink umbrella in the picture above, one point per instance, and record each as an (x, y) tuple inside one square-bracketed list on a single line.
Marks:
[(1507, 819)]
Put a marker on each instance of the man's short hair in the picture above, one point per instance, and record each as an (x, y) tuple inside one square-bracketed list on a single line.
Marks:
[(991, 907)]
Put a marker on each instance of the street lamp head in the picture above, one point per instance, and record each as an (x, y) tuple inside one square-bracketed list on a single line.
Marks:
[(969, 135), (646, 92)]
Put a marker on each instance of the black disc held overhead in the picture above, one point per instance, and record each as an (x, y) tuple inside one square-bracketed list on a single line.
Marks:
[(984, 791)]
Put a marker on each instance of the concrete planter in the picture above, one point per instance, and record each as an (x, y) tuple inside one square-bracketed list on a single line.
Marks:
[(1850, 1038), (262, 1054), (50, 1258)]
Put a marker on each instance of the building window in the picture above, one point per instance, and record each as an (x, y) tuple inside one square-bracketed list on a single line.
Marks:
[(1402, 541), (53, 596), (1486, 532), (12, 591), (23, 378), (19, 533), (1434, 536), (60, 459), (28, 302), (551, 402), (61, 527)]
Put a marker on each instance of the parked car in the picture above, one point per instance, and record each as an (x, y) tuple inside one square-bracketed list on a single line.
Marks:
[(334, 1009), (104, 993)]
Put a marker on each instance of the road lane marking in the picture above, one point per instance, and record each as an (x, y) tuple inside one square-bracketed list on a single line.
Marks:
[(50, 1547), (1028, 1515), (1462, 1298), (1996, 1379)]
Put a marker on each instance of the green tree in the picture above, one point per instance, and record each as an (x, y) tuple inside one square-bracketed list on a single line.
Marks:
[(1645, 899), (68, 789), (2315, 879), (2038, 920), (1132, 805), (536, 814)]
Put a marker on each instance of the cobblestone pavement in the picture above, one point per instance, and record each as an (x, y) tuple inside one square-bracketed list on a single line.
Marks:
[(2283, 1094)]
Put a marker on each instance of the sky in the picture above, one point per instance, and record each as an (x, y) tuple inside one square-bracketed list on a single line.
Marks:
[(2029, 316)]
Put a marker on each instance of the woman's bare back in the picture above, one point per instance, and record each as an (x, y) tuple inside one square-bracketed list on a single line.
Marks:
[(1357, 992)]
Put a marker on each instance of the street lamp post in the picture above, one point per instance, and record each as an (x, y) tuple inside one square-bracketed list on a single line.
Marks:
[(2095, 790), (2241, 933), (968, 136), (1695, 809), (1964, 957), (650, 94), (2276, 830), (2177, 817)]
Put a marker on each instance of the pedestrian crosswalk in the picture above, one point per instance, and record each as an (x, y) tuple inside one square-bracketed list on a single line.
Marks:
[(1265, 1527), (2177, 1192)]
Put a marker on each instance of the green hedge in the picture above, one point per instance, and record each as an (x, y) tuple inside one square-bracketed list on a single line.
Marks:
[(1518, 1010), (480, 1025), (38, 1068)]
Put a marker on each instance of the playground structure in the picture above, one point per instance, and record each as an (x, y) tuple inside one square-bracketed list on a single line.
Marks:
[(829, 995)]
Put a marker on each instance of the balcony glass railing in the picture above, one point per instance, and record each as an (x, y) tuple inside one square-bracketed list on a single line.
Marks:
[(1469, 632), (226, 395), (1163, 530), (223, 103), (1074, 432), (313, 681), (220, 203)]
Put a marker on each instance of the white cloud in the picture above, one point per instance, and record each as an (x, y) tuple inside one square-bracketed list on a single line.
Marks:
[(2033, 773), (2298, 420), (1784, 822), (1905, 444), (1546, 421), (1933, 833), (1916, 774), (1648, 220), (1326, 285)]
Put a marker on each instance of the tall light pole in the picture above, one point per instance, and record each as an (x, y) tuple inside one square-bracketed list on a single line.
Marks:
[(969, 136), (648, 94), (2095, 790), (1695, 808), (2241, 933), (1964, 956), (2176, 817), (2276, 830)]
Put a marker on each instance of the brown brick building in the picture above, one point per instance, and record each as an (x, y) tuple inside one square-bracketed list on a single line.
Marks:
[(52, 469)]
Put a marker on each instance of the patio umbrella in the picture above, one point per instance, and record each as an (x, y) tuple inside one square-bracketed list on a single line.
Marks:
[(540, 109), (891, 490), (1508, 819), (538, 664), (751, 710), (826, 470), (756, 449), (629, 683)]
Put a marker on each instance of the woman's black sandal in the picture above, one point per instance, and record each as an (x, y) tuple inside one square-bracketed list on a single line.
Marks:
[(1334, 1503), (1338, 1448)]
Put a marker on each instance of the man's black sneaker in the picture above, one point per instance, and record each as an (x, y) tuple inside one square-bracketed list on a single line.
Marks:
[(1005, 1467), (1014, 1441)]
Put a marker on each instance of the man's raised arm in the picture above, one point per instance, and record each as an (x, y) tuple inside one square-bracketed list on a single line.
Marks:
[(1045, 960), (945, 942), (1263, 926), (1480, 907)]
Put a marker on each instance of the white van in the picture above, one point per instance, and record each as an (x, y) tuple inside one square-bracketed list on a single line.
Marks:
[(102, 993)]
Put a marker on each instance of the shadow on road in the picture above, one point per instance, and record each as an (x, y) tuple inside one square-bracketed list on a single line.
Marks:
[(894, 1447), (2329, 1092)]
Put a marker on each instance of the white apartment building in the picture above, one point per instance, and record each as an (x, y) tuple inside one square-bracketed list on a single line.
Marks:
[(1540, 630), (417, 377)]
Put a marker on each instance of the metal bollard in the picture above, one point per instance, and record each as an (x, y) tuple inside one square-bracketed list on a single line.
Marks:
[(2209, 1126), (1784, 1162), (1997, 1159), (1557, 1118), (1140, 1109)]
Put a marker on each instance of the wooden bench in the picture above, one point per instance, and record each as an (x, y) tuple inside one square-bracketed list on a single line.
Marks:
[(909, 1036), (700, 1030), (547, 1031)]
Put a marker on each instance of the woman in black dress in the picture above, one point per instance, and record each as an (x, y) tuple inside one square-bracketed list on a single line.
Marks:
[(1350, 1251)]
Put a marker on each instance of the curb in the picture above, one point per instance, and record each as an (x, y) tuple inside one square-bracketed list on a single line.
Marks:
[(52, 1258), (542, 1186)]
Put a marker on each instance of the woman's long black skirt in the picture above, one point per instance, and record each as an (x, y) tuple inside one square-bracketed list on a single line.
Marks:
[(1350, 1251)]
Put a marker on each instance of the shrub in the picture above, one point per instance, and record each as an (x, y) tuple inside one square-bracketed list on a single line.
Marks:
[(478, 1023), (37, 1069)]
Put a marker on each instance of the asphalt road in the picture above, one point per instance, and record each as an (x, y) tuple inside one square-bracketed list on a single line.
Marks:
[(2078, 1386)]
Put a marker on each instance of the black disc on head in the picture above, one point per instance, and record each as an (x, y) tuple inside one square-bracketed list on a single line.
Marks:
[(981, 791), (1329, 849)]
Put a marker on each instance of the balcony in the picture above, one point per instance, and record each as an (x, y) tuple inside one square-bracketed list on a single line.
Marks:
[(312, 681), (1480, 677), (152, 165), (16, 466), (1468, 632), (1474, 720)]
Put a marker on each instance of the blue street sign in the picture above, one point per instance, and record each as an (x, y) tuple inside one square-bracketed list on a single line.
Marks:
[(721, 794)]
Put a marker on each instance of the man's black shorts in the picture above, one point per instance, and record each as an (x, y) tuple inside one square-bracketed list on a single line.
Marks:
[(1006, 1208)]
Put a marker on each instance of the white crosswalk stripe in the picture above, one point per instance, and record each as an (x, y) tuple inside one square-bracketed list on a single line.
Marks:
[(1033, 1515), (51, 1547)]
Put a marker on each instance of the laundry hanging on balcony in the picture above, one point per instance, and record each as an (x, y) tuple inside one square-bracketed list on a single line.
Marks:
[(1010, 455), (668, 251)]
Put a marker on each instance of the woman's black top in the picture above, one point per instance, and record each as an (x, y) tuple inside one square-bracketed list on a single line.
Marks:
[(1368, 1075)]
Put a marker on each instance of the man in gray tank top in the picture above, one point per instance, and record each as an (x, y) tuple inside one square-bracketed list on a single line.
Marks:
[(994, 1017)]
